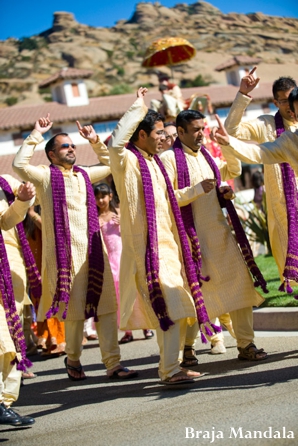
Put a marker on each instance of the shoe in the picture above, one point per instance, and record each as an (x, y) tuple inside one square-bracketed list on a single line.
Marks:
[(78, 369), (128, 337), (28, 375), (42, 344), (129, 374), (148, 334), (92, 337), (9, 416), (218, 348), (252, 353), (189, 357)]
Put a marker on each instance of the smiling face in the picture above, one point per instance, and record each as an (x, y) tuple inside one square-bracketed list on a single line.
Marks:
[(170, 136), (63, 153), (193, 136), (152, 143), (282, 103), (103, 201)]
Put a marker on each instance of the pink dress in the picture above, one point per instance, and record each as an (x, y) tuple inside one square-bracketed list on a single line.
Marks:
[(112, 240)]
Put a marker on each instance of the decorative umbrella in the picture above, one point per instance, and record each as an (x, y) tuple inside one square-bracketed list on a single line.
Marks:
[(168, 51)]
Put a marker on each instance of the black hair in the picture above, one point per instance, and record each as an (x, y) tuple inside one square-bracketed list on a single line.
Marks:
[(187, 116), (257, 179), (104, 189), (282, 84), (293, 98), (167, 124), (50, 145), (147, 124)]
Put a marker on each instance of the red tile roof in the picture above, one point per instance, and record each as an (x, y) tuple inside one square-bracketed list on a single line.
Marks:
[(106, 108), (238, 60), (66, 73)]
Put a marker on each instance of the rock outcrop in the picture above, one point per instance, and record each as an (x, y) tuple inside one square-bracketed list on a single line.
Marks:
[(115, 54)]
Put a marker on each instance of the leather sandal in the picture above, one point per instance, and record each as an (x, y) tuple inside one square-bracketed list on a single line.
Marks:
[(128, 337), (78, 369), (251, 352), (189, 357)]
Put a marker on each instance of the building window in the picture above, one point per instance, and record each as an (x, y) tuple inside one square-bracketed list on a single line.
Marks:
[(222, 112), (105, 127), (17, 139), (75, 90)]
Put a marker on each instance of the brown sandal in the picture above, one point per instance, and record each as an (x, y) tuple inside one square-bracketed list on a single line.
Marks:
[(189, 357), (251, 352)]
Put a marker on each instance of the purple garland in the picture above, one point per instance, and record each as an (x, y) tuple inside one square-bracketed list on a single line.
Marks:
[(13, 320), (186, 211), (290, 191), (63, 247), (152, 260), (32, 272), (239, 231)]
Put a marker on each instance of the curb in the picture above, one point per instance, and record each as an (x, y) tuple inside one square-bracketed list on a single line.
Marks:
[(276, 319)]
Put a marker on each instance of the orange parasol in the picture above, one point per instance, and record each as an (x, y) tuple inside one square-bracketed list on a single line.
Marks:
[(168, 51)]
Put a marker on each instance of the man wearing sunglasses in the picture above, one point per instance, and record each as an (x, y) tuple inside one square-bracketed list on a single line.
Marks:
[(267, 128), (77, 282)]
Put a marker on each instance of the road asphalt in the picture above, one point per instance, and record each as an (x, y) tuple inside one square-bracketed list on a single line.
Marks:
[(236, 403)]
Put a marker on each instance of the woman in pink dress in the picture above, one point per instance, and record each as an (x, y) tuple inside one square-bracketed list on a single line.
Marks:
[(109, 221)]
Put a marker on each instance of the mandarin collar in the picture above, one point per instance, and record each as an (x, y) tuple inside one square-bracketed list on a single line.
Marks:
[(145, 154), (189, 151), (290, 124)]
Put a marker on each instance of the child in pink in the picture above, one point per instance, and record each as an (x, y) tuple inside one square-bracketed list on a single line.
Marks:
[(109, 221)]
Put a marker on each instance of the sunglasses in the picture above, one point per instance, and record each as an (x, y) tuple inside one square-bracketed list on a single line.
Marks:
[(66, 146)]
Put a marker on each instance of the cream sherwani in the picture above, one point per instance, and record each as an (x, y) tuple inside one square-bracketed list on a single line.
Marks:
[(10, 216), (230, 287), (263, 130), (75, 190), (136, 310)]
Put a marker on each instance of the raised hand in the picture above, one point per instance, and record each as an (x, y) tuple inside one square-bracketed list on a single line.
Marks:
[(219, 134), (26, 191), (208, 185), (249, 82), (44, 124), (142, 92), (88, 132)]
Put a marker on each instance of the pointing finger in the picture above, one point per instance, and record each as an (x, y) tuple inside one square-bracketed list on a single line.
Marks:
[(79, 125)]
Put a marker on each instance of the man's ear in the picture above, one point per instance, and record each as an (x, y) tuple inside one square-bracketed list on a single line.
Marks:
[(275, 103), (180, 131), (51, 153), (142, 134)]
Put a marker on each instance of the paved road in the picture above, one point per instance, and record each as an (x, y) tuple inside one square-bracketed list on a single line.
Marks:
[(236, 396)]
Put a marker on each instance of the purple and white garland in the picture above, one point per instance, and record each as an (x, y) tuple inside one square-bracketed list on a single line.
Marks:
[(239, 231), (290, 191), (152, 260), (63, 247)]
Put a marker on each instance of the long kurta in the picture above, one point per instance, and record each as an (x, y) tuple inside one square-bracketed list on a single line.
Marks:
[(262, 130), (10, 216), (230, 287), (135, 307), (75, 190)]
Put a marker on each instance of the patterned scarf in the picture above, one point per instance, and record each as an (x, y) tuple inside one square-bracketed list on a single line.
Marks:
[(31, 268), (13, 320), (290, 191), (63, 247), (239, 231), (151, 257)]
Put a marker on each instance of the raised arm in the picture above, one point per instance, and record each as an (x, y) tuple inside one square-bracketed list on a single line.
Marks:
[(246, 130), (14, 214), (22, 159), (282, 150), (125, 129), (101, 150)]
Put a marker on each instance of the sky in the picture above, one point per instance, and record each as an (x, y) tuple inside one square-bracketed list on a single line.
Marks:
[(27, 18)]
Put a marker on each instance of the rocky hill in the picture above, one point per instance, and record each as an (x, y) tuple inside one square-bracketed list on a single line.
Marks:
[(115, 54)]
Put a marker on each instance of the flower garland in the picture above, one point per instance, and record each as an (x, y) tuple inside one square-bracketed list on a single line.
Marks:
[(151, 258), (239, 231), (290, 191), (63, 247), (30, 264), (13, 320)]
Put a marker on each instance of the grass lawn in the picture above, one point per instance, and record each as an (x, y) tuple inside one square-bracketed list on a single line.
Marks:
[(274, 298)]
